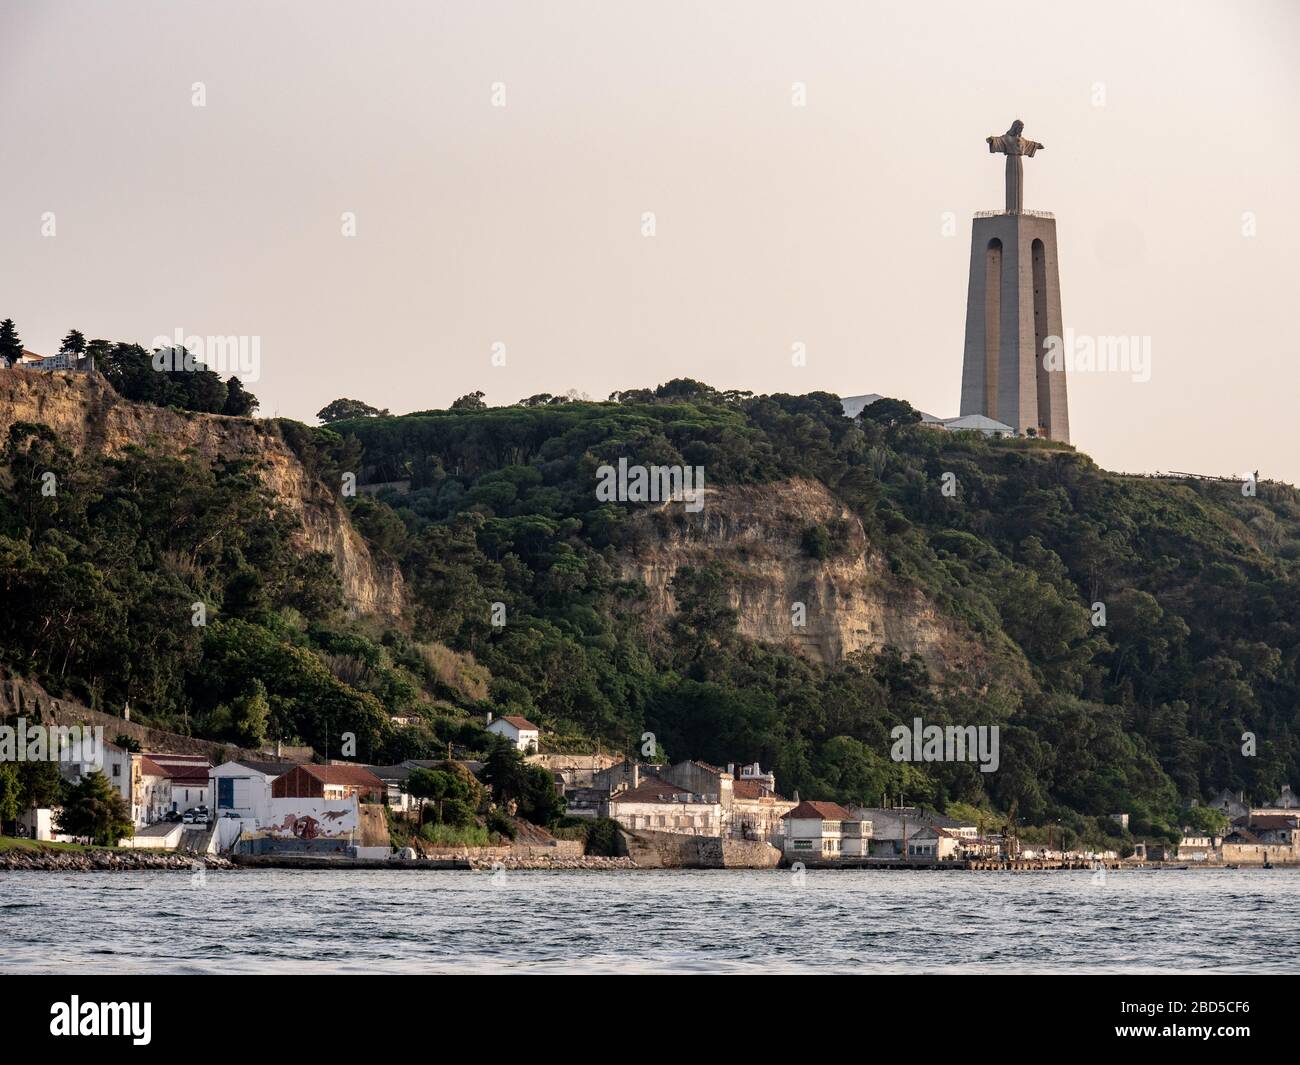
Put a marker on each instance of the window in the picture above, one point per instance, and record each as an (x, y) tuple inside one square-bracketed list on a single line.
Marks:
[(117, 769)]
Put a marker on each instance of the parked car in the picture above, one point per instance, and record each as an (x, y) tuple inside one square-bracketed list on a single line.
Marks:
[(231, 813), (187, 817), (173, 816)]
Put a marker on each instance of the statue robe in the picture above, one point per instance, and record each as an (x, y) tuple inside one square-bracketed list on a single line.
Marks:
[(1014, 148)]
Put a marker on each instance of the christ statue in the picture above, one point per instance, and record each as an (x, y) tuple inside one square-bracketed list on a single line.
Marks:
[(1013, 145)]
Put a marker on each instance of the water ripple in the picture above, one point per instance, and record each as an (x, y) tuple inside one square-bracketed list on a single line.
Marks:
[(699, 921)]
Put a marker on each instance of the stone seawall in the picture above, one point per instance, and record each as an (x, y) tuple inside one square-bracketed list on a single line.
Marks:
[(674, 850), (52, 860)]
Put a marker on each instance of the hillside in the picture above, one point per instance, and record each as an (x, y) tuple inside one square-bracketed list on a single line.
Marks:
[(623, 618)]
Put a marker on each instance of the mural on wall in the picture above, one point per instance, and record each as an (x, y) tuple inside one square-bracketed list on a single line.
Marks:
[(306, 819)]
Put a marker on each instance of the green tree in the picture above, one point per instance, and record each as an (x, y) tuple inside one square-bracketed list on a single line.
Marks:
[(73, 344), (452, 795), (505, 771), (473, 401), (890, 413), (10, 792), (541, 802), (11, 346), (249, 715), (343, 409), (240, 402), (96, 810), (1206, 820), (41, 784)]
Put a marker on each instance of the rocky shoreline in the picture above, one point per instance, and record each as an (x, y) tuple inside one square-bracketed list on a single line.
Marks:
[(105, 861), (539, 862)]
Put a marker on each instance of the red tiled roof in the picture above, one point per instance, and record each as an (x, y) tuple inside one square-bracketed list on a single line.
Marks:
[(162, 758), (826, 811), (652, 789), (150, 768), (344, 774), (753, 789), (1270, 821), (191, 769), (521, 723), (187, 776)]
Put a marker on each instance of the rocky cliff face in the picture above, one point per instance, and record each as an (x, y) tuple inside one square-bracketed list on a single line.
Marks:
[(89, 416), (851, 601)]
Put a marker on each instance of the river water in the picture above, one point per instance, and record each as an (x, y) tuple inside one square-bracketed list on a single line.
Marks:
[(1212, 920)]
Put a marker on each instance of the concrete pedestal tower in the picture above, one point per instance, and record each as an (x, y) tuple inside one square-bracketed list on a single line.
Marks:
[(1013, 304)]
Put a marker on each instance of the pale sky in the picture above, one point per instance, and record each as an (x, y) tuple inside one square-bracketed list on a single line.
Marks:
[(1168, 128)]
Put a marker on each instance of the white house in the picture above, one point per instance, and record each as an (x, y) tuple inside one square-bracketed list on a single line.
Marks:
[(244, 788), (655, 804), (78, 761), (825, 830), (188, 776), (518, 730), (151, 791), (929, 841)]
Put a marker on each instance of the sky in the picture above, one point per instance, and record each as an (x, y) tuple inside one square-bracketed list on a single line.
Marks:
[(811, 168)]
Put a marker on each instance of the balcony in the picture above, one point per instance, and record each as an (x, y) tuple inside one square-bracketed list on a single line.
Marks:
[(1026, 214)]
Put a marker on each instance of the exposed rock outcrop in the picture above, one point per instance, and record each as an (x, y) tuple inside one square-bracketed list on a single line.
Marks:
[(851, 601), (89, 416)]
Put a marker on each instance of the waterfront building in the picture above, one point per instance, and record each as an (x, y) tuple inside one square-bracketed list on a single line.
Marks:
[(76, 762), (825, 830), (188, 776), (700, 778), (1198, 846), (151, 791), (931, 842), (243, 789), (757, 811), (657, 805), (895, 827), (329, 782)]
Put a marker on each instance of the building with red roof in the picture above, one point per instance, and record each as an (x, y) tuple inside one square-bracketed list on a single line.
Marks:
[(329, 782)]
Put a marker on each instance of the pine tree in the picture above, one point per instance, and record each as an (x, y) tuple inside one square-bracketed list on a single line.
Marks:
[(73, 344), (95, 809), (239, 401), (11, 347)]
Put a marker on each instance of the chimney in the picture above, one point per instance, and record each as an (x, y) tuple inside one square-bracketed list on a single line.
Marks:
[(489, 717), (731, 768)]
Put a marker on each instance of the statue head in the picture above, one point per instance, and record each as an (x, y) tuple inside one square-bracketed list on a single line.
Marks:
[(1017, 127)]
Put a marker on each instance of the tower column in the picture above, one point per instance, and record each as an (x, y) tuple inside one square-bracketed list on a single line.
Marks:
[(1013, 304)]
